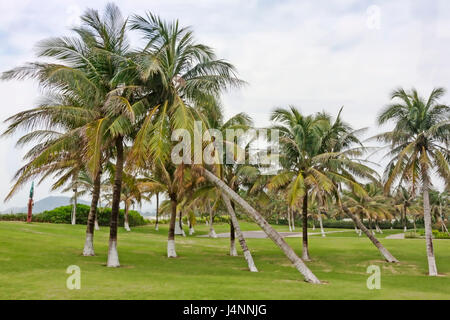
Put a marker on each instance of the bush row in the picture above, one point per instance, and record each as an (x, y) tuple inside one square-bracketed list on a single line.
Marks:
[(348, 224), (63, 214), (421, 233)]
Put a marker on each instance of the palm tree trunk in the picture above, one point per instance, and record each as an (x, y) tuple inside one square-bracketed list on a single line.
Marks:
[(157, 211), (293, 219), (113, 256), (386, 254), (266, 227), (235, 223), (96, 226), (322, 231), (289, 218), (92, 217), (180, 224), (171, 253), (126, 224), (405, 220), (378, 227), (444, 226), (432, 269), (191, 226), (305, 251), (212, 232), (74, 206), (233, 251)]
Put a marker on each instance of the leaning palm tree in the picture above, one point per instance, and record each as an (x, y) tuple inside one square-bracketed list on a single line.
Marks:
[(419, 141)]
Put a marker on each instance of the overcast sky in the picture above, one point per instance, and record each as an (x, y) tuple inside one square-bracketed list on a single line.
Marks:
[(312, 54)]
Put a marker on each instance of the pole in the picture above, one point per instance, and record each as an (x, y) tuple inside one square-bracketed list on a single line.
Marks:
[(30, 204)]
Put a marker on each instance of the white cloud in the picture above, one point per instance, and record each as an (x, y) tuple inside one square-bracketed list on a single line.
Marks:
[(316, 55)]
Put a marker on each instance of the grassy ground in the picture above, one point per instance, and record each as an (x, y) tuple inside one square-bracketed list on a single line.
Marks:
[(34, 258)]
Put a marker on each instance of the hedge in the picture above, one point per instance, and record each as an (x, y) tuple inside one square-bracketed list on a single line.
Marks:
[(348, 224), (63, 214)]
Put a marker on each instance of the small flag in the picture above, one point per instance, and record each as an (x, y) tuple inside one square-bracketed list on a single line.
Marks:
[(32, 190)]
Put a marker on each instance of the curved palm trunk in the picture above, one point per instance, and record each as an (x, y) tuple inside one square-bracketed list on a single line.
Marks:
[(305, 251), (386, 254), (444, 227), (157, 211), (432, 269), (212, 232), (92, 217), (74, 206), (235, 223), (126, 223), (266, 227), (113, 256), (171, 253), (322, 231), (180, 224), (289, 219)]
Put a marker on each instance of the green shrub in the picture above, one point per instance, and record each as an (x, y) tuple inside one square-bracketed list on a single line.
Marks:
[(412, 235), (62, 215)]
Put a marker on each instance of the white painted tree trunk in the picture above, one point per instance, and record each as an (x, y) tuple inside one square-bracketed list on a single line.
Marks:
[(233, 251), (178, 229), (432, 268), (267, 228), (289, 219), (321, 226), (378, 227), (247, 254), (127, 226), (171, 253), (212, 232), (74, 207), (88, 250), (191, 230), (113, 256), (96, 226)]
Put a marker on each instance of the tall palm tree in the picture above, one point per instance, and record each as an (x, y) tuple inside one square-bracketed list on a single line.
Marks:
[(176, 74), (419, 141)]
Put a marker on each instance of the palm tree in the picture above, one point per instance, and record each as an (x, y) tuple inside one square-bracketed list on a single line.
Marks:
[(419, 140), (300, 139), (373, 206), (177, 74), (439, 204)]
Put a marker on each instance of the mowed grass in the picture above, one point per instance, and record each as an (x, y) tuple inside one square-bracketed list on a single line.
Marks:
[(34, 258)]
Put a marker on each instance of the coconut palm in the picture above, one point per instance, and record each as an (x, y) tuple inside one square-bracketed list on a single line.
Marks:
[(439, 205), (373, 206), (403, 199), (177, 74), (419, 141)]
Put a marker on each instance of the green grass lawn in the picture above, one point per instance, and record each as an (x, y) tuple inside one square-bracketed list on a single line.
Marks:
[(34, 259)]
